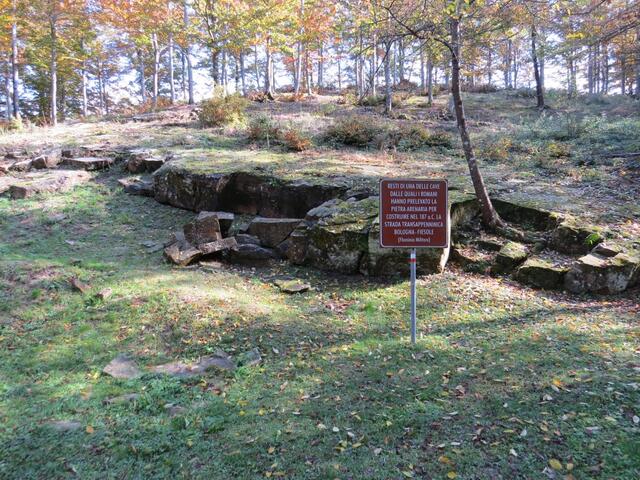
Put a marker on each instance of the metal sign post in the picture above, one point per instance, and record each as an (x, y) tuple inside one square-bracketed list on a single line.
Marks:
[(412, 263), (414, 214)]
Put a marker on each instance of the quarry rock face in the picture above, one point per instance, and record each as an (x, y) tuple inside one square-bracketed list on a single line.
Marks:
[(541, 273), (241, 192), (600, 274)]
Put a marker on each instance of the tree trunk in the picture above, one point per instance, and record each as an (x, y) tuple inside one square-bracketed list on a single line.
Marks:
[(242, 75), (298, 70), (401, 57), (223, 71), (638, 62), (53, 72), (7, 92), (156, 68), (14, 64), (388, 99), (268, 87), (85, 102), (423, 78), (172, 88), (100, 89), (374, 65), (339, 70), (236, 77), (321, 66), (143, 85), (536, 68), (489, 214), (430, 80), (187, 54), (255, 66)]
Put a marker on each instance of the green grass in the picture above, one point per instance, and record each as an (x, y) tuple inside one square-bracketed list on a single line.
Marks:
[(502, 380)]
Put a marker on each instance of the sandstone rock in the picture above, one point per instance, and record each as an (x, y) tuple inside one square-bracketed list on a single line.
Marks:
[(122, 367), (182, 253), (136, 161), (49, 159), (250, 358), (204, 228), (573, 237), (65, 425), (136, 186), (222, 245), (607, 249), (541, 273), (245, 239), (104, 294), (596, 273), (47, 181), (79, 286), (181, 185), (509, 257), (472, 259), (88, 163), (292, 286), (250, 254), (219, 360), (527, 215), (272, 231), (225, 219), (120, 399), (153, 163), (21, 166)]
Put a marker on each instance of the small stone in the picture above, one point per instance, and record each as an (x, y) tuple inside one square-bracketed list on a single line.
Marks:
[(56, 217), (223, 245), (79, 285), (211, 266), (120, 399), (65, 425), (607, 250), (104, 294), (136, 186), (122, 367), (174, 410), (250, 358), (292, 286), (219, 360)]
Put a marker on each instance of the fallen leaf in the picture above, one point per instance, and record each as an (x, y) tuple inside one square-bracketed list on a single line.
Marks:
[(555, 464)]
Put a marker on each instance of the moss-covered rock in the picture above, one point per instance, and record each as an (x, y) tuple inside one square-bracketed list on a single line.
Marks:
[(596, 273), (541, 273), (527, 215), (509, 257), (574, 236)]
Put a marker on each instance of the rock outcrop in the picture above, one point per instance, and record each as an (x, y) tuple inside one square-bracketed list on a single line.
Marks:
[(600, 274)]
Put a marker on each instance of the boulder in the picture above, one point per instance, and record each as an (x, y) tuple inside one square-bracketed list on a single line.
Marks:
[(571, 236), (272, 231), (607, 249), (509, 257), (153, 163), (529, 216), (182, 253), (542, 273), (222, 245), (88, 163), (49, 159), (599, 274), (205, 228)]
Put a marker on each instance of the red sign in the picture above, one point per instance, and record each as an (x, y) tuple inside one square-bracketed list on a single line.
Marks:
[(413, 213)]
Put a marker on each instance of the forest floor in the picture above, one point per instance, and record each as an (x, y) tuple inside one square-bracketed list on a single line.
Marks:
[(504, 382)]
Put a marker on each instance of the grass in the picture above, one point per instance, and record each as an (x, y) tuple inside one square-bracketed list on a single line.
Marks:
[(503, 382)]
